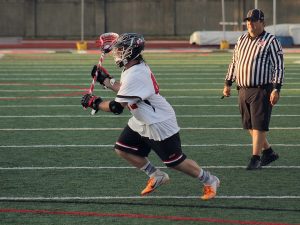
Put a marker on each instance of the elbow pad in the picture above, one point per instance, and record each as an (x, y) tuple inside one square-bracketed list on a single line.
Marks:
[(115, 107)]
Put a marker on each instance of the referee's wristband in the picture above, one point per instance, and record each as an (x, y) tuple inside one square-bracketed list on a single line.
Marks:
[(276, 87), (228, 83)]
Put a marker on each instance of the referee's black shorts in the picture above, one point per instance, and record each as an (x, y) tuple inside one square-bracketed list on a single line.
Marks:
[(168, 150), (255, 107)]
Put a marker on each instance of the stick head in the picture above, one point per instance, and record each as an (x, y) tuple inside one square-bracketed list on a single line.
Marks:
[(106, 41)]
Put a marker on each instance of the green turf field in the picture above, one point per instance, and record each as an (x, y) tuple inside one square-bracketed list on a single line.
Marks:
[(57, 164)]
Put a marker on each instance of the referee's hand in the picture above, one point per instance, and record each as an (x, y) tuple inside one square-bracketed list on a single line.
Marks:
[(226, 91), (274, 97)]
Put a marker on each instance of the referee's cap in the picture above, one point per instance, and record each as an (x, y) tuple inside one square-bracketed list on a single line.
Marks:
[(255, 15)]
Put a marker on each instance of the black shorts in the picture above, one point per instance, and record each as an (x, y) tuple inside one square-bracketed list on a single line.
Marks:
[(255, 108), (168, 150)]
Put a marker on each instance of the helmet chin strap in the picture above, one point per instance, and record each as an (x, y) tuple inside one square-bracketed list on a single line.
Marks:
[(124, 62), (120, 63), (137, 56)]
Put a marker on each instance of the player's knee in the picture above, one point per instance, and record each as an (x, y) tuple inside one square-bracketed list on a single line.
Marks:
[(120, 153)]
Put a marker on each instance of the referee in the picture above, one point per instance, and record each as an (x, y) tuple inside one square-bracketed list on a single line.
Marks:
[(257, 68)]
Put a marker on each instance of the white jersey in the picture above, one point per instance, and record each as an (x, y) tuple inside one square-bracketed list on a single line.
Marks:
[(153, 116)]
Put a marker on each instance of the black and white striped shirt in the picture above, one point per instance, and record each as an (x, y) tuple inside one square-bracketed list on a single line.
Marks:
[(256, 61)]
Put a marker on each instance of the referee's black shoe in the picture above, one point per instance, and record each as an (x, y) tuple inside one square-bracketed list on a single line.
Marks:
[(254, 163), (268, 157)]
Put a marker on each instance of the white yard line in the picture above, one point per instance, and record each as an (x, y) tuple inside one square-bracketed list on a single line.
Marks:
[(161, 89), (128, 167), (57, 146), (110, 146), (127, 116), (174, 105), (65, 198), (58, 129), (160, 78), (120, 128), (160, 83), (42, 90), (167, 97), (163, 70)]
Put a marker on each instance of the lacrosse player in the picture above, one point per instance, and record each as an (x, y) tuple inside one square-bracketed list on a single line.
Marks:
[(258, 69), (153, 124)]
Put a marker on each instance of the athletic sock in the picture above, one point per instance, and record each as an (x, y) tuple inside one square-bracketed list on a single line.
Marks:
[(149, 169), (205, 177)]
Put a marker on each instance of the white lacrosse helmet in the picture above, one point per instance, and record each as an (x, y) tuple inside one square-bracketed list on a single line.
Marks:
[(127, 47)]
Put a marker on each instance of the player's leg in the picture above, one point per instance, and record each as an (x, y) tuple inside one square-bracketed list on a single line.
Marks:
[(134, 160), (134, 150), (170, 152), (189, 167), (211, 182), (156, 176)]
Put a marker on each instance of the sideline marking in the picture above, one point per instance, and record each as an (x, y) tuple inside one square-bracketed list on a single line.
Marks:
[(137, 216)]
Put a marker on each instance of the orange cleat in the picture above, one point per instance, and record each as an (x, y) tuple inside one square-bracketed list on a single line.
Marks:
[(210, 191), (158, 178)]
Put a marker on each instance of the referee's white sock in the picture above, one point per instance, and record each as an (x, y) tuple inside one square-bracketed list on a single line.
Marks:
[(148, 168)]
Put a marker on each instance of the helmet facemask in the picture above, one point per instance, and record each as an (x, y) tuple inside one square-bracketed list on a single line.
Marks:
[(122, 55), (127, 47)]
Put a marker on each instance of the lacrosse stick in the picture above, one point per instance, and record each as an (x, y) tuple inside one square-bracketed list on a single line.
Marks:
[(105, 42)]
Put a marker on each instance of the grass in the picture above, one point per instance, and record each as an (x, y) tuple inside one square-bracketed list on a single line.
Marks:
[(55, 157)]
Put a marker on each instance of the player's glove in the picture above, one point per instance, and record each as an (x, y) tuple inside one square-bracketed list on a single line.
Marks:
[(101, 73), (91, 101)]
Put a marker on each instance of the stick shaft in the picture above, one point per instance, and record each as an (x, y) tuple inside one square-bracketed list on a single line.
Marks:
[(92, 86), (105, 40), (95, 79)]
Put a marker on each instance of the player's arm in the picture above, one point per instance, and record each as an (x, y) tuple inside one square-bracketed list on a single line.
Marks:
[(97, 104), (112, 106), (104, 78), (112, 84)]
